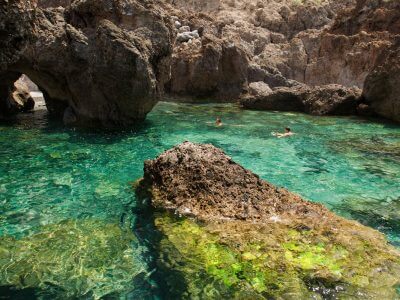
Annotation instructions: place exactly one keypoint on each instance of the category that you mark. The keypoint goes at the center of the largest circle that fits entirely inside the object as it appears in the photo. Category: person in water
(218, 122)
(288, 132)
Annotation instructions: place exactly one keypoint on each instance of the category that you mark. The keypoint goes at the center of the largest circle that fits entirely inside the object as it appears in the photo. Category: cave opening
(34, 91)
(20, 97)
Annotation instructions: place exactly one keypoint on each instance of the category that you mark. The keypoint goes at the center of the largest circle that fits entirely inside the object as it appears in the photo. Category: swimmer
(218, 122)
(288, 132)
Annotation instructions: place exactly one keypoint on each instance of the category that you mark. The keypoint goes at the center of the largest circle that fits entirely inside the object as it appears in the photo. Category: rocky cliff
(279, 43)
(108, 62)
(382, 86)
(97, 62)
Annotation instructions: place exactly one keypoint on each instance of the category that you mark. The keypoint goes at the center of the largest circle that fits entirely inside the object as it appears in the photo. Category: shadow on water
(11, 293)
(168, 282)
(40, 120)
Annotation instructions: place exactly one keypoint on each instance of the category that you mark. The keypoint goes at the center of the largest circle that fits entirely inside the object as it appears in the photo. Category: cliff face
(279, 43)
(263, 34)
(108, 62)
(95, 63)
(382, 86)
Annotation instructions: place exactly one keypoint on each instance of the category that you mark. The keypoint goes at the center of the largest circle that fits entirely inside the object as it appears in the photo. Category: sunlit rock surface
(227, 233)
(72, 259)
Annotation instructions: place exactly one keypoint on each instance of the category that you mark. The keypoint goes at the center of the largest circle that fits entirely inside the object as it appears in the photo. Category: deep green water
(57, 184)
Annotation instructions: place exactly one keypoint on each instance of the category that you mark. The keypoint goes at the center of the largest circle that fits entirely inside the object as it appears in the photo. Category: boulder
(226, 233)
(21, 98)
(281, 99)
(259, 88)
(108, 64)
(330, 99)
(186, 36)
(184, 29)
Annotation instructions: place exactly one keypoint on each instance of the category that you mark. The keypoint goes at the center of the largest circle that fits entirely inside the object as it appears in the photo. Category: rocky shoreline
(109, 65)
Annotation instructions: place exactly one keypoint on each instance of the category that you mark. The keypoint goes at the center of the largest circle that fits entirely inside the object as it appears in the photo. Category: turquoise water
(50, 175)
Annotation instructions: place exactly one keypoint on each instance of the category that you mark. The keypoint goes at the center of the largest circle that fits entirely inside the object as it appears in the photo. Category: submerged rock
(329, 99)
(379, 213)
(241, 237)
(72, 259)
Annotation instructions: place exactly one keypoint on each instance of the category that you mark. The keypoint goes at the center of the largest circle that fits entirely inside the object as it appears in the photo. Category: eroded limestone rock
(382, 85)
(209, 68)
(107, 64)
(239, 237)
(321, 100)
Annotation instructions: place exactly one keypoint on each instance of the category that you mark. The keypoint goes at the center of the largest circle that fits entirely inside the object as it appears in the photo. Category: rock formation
(330, 99)
(95, 63)
(18, 100)
(227, 233)
(382, 86)
(109, 61)
(312, 42)
(211, 68)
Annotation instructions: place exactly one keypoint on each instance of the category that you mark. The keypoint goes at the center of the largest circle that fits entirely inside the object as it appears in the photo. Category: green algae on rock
(82, 258)
(240, 237)
(237, 258)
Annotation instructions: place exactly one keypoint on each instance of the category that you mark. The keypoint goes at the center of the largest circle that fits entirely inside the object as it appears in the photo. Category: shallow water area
(50, 175)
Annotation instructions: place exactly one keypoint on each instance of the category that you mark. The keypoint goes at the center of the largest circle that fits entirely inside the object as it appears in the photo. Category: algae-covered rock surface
(86, 259)
(228, 234)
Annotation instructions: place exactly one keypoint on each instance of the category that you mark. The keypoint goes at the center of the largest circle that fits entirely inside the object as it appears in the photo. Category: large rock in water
(332, 99)
(382, 86)
(100, 62)
(241, 237)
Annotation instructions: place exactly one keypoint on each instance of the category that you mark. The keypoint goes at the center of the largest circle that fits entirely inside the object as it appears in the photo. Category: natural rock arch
(95, 63)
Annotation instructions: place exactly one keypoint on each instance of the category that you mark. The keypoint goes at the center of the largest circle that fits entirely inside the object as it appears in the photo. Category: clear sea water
(51, 174)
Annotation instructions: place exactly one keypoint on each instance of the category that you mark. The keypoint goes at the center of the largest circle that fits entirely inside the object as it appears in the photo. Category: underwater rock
(72, 259)
(378, 213)
(227, 233)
